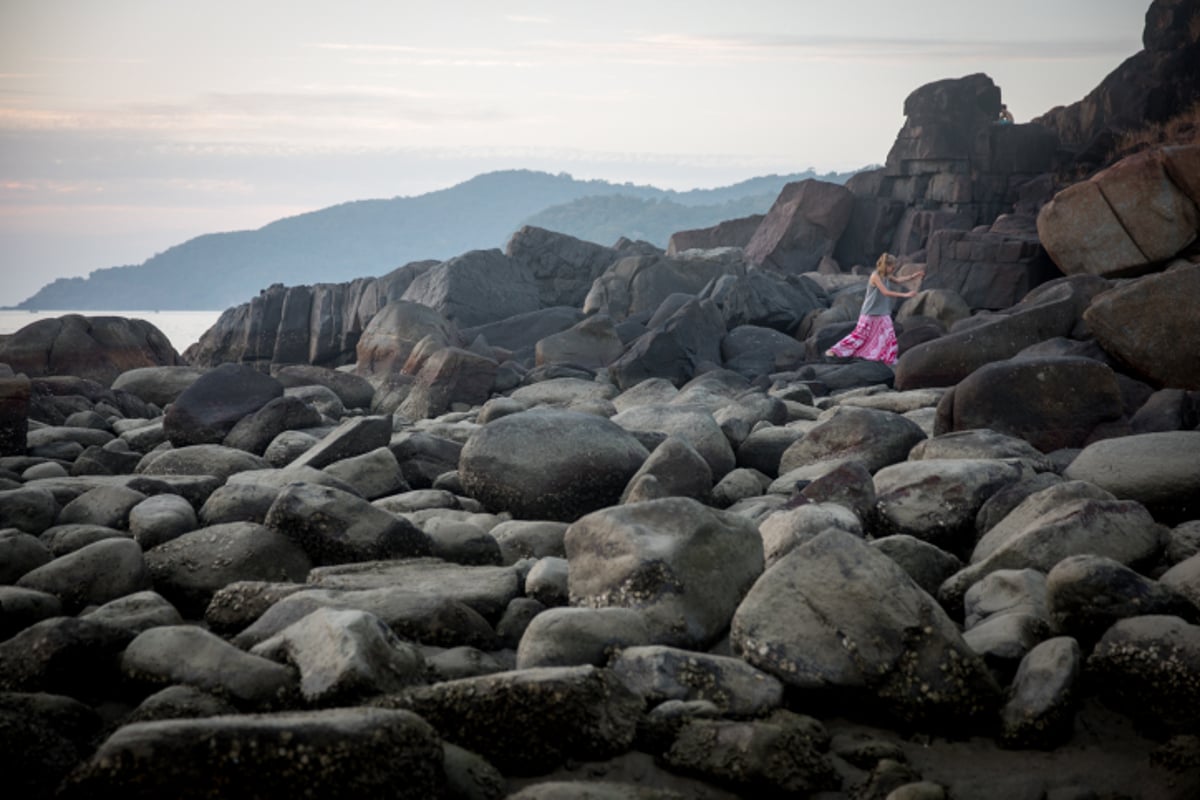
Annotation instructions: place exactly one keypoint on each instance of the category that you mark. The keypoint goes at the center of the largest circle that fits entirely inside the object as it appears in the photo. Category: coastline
(182, 328)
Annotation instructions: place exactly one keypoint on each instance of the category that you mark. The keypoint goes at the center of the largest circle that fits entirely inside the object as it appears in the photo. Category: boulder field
(580, 521)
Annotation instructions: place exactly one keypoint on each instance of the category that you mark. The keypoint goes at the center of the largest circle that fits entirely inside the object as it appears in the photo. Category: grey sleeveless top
(876, 303)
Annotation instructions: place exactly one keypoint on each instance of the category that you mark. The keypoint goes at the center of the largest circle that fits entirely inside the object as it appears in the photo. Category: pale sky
(128, 126)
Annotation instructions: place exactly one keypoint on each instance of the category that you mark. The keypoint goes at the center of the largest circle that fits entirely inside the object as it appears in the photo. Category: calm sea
(183, 328)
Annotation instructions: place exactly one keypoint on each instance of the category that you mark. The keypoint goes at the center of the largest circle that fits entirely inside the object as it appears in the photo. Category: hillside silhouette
(371, 237)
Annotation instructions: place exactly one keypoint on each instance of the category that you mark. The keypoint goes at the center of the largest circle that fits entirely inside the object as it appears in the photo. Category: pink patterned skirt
(873, 338)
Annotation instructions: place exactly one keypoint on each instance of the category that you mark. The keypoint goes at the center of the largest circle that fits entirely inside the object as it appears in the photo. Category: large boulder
(1051, 310)
(549, 464)
(1143, 325)
(92, 575)
(684, 565)
(189, 570)
(1159, 470)
(1123, 220)
(14, 415)
(528, 722)
(1052, 403)
(802, 227)
(838, 614)
(158, 385)
(730, 233)
(693, 423)
(335, 527)
(391, 335)
(93, 348)
(765, 298)
(562, 266)
(689, 338)
(448, 378)
(875, 438)
(335, 753)
(353, 390)
(592, 343)
(207, 410)
(1149, 667)
(475, 288)
(639, 284)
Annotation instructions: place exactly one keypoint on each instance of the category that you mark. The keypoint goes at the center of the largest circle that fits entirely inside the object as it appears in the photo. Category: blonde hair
(885, 260)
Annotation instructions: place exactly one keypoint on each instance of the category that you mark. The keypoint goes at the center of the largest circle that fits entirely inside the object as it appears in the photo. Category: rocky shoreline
(580, 521)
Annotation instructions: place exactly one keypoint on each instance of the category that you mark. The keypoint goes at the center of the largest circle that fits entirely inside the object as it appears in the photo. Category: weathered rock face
(562, 266)
(951, 167)
(93, 348)
(684, 566)
(391, 335)
(639, 284)
(831, 613)
(802, 227)
(1127, 218)
(1148, 326)
(730, 233)
(476, 288)
(318, 324)
(990, 269)
(674, 350)
(1151, 86)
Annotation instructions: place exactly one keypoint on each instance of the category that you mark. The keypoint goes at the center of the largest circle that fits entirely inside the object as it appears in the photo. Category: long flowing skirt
(873, 338)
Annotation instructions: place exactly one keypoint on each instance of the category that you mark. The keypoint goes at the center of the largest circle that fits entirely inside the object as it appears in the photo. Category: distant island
(371, 237)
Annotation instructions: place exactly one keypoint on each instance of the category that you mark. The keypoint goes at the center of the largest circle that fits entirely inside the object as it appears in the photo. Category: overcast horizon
(130, 126)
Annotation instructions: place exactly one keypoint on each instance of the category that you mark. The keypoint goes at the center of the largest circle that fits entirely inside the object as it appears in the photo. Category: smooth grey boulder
(255, 432)
(201, 459)
(1002, 640)
(564, 637)
(980, 443)
(462, 543)
(188, 570)
(849, 485)
(354, 391)
(373, 474)
(136, 612)
(20, 608)
(1086, 594)
(63, 539)
(661, 673)
(238, 502)
(157, 385)
(763, 448)
(927, 564)
(334, 753)
(937, 499)
(527, 722)
(1119, 529)
(1040, 710)
(693, 423)
(487, 589)
(784, 530)
(783, 755)
(1006, 591)
(213, 403)
(335, 527)
(449, 379)
(549, 464)
(416, 617)
(875, 438)
(103, 505)
(549, 581)
(687, 341)
(520, 539)
(192, 656)
(1005, 501)
(180, 702)
(836, 612)
(353, 437)
(1035, 505)
(738, 484)
(287, 446)
(240, 604)
(344, 656)
(1158, 470)
(1184, 578)
(684, 565)
(92, 575)
(20, 552)
(1149, 668)
(476, 288)
(161, 518)
(673, 469)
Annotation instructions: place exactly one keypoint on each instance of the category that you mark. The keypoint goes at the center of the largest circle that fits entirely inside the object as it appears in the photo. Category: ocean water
(182, 328)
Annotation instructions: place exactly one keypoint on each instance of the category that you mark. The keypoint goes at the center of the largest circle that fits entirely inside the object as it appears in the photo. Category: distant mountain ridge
(370, 237)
